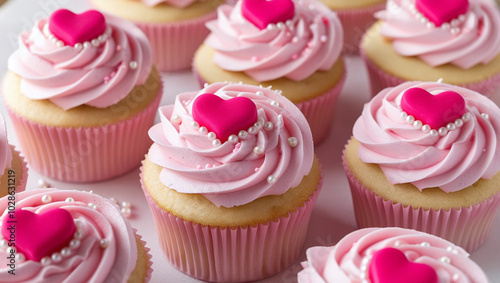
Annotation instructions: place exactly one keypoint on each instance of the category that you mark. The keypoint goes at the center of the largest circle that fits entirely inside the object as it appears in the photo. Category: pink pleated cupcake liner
(319, 111)
(355, 22)
(467, 227)
(237, 254)
(174, 44)
(147, 278)
(86, 154)
(380, 79)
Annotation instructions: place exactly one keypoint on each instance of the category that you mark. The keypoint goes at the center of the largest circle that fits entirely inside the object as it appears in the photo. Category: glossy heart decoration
(73, 28)
(435, 110)
(261, 13)
(390, 265)
(442, 11)
(224, 117)
(39, 235)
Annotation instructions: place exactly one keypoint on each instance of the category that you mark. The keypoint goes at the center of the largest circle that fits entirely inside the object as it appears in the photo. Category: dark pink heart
(224, 117)
(73, 28)
(435, 110)
(39, 235)
(261, 13)
(390, 265)
(442, 11)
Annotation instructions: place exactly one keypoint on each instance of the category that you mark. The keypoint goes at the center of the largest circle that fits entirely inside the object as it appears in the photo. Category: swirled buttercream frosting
(98, 72)
(175, 3)
(292, 47)
(5, 152)
(267, 158)
(452, 155)
(390, 255)
(102, 248)
(463, 33)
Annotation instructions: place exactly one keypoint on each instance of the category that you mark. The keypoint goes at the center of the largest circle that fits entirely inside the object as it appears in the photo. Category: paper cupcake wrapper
(24, 177)
(174, 44)
(380, 79)
(467, 227)
(319, 111)
(237, 254)
(355, 22)
(147, 278)
(86, 154)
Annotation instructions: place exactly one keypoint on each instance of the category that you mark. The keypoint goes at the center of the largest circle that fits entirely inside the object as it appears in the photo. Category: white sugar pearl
(42, 184)
(10, 250)
(271, 179)
(243, 134)
(485, 116)
(195, 125)
(425, 244)
(233, 139)
(451, 127)
(211, 136)
(260, 93)
(280, 25)
(443, 131)
(104, 243)
(46, 198)
(69, 200)
(417, 124)
(426, 128)
(434, 133)
(459, 123)
(45, 261)
(59, 43)
(66, 252)
(403, 115)
(253, 130)
(78, 46)
(126, 211)
(74, 244)
(268, 126)
(216, 143)
(410, 119)
(292, 141)
(3, 244)
(126, 204)
(20, 257)
(203, 130)
(92, 205)
(275, 103)
(445, 26)
(271, 26)
(56, 257)
(175, 119)
(455, 31)
(95, 42)
(86, 44)
(257, 150)
(78, 234)
(466, 117)
(445, 259)
(133, 65)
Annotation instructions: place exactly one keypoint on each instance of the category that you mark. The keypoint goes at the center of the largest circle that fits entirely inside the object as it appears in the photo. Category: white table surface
(333, 215)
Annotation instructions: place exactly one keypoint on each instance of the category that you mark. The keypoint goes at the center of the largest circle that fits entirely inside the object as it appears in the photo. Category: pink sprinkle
(325, 21)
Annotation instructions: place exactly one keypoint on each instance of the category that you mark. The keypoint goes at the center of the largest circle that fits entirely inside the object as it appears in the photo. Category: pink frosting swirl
(311, 41)
(89, 262)
(471, 39)
(346, 261)
(175, 3)
(5, 152)
(233, 173)
(98, 74)
(408, 155)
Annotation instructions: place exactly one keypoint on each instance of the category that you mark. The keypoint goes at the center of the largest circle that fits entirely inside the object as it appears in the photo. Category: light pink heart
(73, 28)
(390, 265)
(442, 11)
(434, 110)
(224, 117)
(261, 13)
(39, 235)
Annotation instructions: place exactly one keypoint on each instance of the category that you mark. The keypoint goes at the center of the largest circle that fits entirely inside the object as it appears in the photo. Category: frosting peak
(470, 37)
(295, 49)
(268, 158)
(98, 73)
(407, 150)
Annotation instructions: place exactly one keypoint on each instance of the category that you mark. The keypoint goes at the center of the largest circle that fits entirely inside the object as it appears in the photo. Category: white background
(332, 217)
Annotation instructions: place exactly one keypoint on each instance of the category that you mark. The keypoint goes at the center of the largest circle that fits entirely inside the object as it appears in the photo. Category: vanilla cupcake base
(83, 144)
(206, 242)
(316, 96)
(386, 68)
(464, 217)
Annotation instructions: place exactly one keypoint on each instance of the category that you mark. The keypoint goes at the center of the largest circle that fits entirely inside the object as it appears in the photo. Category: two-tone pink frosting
(311, 41)
(99, 73)
(456, 157)
(266, 159)
(175, 3)
(5, 151)
(468, 39)
(104, 251)
(350, 260)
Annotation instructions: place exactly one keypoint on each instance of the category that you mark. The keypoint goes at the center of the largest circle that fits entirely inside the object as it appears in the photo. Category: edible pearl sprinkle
(43, 184)
(20, 257)
(275, 103)
(253, 130)
(485, 116)
(74, 244)
(292, 141)
(92, 205)
(175, 119)
(442, 131)
(425, 244)
(126, 204)
(69, 200)
(45, 261)
(203, 130)
(233, 139)
(126, 211)
(46, 199)
(104, 243)
(257, 150)
(216, 142)
(56, 257)
(66, 252)
(271, 179)
(78, 234)
(211, 136)
(445, 259)
(195, 125)
(268, 126)
(434, 133)
(242, 134)
(133, 65)
(417, 124)
(259, 93)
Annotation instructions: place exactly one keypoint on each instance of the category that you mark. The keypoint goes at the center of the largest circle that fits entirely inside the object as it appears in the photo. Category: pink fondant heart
(39, 235)
(442, 11)
(390, 265)
(224, 117)
(264, 12)
(435, 110)
(73, 28)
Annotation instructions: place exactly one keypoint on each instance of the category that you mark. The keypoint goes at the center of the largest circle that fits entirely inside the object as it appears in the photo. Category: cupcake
(295, 49)
(390, 255)
(69, 236)
(426, 156)
(356, 17)
(231, 179)
(422, 41)
(81, 93)
(174, 28)
(12, 166)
